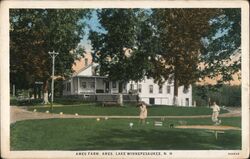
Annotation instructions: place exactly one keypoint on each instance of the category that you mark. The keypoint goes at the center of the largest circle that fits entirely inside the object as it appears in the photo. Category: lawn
(128, 109)
(115, 134)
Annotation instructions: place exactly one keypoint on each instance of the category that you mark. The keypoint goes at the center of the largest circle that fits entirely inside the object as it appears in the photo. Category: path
(20, 113)
(210, 127)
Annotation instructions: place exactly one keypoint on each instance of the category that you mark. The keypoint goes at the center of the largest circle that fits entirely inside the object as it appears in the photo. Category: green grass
(92, 109)
(115, 134)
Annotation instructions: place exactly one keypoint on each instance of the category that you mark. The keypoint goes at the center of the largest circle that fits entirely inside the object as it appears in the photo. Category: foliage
(121, 36)
(223, 44)
(179, 33)
(225, 95)
(167, 43)
(35, 32)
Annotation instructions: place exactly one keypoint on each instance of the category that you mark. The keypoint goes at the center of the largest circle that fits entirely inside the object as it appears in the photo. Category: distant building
(87, 82)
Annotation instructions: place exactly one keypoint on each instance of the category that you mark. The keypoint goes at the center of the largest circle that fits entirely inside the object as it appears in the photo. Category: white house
(152, 93)
(87, 82)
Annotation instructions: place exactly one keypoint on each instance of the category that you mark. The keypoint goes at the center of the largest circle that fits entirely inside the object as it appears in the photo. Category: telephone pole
(53, 56)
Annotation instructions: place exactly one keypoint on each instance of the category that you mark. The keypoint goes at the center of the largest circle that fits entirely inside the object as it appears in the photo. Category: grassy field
(115, 134)
(93, 109)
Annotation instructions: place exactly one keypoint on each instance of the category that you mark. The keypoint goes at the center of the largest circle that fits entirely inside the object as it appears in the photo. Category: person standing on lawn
(143, 113)
(216, 111)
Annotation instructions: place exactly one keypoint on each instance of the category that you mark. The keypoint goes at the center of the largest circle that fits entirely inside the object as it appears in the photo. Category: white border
(4, 69)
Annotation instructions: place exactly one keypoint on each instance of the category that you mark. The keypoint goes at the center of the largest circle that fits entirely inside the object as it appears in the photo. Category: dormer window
(185, 90)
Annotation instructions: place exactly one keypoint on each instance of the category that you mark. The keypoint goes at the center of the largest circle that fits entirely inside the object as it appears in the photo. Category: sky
(93, 24)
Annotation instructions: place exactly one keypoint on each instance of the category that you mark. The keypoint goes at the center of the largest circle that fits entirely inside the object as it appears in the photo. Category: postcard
(124, 79)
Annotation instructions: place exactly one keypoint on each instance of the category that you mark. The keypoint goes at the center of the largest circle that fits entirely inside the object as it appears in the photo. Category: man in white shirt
(216, 111)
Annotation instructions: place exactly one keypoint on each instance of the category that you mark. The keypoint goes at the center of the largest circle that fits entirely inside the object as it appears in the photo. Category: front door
(187, 102)
(151, 101)
(120, 87)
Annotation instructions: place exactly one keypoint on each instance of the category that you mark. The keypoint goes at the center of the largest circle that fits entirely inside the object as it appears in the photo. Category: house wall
(100, 84)
(89, 86)
(86, 72)
(164, 98)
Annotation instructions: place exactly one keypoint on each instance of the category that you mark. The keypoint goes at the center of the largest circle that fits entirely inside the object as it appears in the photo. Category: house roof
(84, 68)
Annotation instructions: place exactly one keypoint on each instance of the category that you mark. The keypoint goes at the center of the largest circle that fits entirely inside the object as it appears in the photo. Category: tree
(222, 44)
(179, 33)
(118, 49)
(118, 38)
(166, 44)
(35, 32)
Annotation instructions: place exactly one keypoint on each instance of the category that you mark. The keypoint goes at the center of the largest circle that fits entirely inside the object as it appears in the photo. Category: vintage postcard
(124, 79)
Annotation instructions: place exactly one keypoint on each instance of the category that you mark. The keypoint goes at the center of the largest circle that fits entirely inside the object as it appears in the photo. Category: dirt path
(20, 113)
(210, 127)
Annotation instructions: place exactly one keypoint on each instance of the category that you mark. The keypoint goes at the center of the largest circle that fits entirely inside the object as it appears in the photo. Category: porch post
(110, 87)
(78, 85)
(95, 85)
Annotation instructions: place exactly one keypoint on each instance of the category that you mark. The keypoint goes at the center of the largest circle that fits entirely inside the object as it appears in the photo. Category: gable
(87, 71)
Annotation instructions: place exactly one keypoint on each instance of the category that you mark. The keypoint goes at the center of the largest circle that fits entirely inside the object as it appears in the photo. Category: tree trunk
(176, 85)
(35, 92)
(45, 92)
(39, 92)
(120, 99)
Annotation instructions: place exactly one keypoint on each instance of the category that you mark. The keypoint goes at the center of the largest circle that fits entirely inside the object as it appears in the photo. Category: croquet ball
(34, 110)
(106, 118)
(76, 114)
(61, 113)
(131, 124)
(47, 111)
(98, 119)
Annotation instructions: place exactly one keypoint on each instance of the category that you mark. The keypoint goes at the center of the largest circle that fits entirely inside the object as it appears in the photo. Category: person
(143, 113)
(216, 111)
(138, 98)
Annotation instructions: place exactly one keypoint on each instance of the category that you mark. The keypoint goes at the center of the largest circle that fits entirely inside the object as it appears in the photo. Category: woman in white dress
(143, 113)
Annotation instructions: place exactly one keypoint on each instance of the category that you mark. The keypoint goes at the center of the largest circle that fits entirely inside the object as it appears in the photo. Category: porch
(84, 85)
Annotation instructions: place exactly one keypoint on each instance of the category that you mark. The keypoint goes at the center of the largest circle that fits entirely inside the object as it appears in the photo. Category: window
(185, 90)
(113, 84)
(86, 62)
(169, 81)
(168, 89)
(93, 70)
(131, 86)
(92, 84)
(124, 86)
(64, 86)
(84, 85)
(139, 88)
(160, 89)
(151, 89)
(68, 87)
(187, 102)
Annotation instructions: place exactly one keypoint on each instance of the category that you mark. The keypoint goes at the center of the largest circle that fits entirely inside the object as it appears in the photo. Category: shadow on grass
(157, 139)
